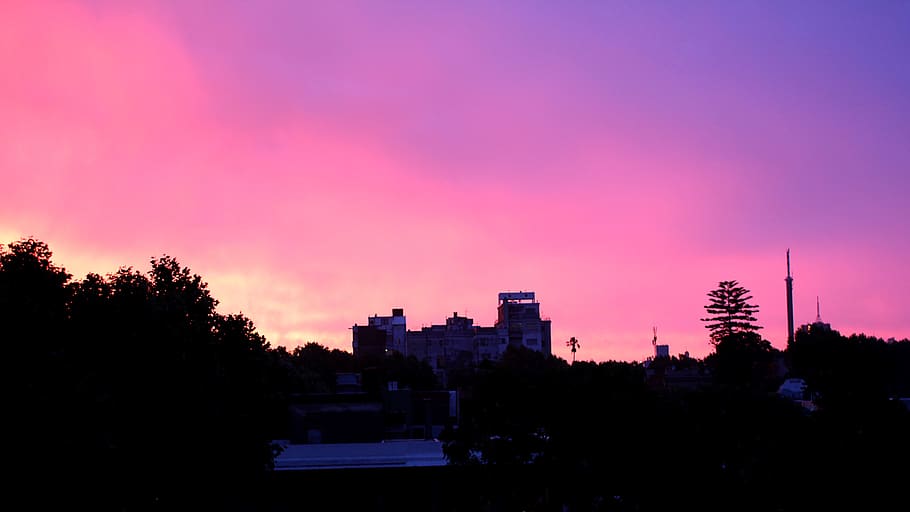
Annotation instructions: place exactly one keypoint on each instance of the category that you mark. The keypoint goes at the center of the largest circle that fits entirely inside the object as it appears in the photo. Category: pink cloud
(380, 173)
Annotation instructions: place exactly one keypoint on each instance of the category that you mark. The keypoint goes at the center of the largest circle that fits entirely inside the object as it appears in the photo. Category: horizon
(319, 164)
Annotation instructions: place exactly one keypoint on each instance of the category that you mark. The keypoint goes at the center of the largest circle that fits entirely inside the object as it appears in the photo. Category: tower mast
(789, 281)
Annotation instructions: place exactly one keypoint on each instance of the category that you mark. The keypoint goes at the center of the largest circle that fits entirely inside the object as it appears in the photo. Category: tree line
(130, 391)
(601, 437)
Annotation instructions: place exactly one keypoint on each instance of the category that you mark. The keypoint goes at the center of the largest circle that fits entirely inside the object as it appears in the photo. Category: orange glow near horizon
(320, 174)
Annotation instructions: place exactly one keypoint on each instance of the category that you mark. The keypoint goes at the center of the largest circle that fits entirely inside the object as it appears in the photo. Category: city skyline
(318, 164)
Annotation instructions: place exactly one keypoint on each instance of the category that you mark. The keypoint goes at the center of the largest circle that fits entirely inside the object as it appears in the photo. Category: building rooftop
(396, 453)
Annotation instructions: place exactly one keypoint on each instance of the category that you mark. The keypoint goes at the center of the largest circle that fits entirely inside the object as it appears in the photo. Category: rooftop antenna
(818, 310)
(654, 341)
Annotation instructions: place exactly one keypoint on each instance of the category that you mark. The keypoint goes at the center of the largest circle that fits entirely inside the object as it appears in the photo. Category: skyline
(320, 164)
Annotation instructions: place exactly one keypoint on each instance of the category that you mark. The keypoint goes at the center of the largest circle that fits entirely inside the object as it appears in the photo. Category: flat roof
(384, 454)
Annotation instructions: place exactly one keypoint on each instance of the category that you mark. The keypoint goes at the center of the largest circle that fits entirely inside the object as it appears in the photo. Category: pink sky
(321, 162)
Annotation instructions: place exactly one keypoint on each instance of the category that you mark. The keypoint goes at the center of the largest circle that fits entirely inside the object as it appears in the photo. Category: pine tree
(730, 312)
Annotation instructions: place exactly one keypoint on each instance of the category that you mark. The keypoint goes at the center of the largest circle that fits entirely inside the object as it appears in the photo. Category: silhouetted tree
(319, 366)
(574, 344)
(131, 388)
(135, 391)
(407, 371)
(849, 372)
(730, 312)
(742, 360)
(34, 363)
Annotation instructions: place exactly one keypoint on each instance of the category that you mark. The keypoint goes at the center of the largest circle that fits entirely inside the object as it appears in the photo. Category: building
(382, 454)
(794, 389)
(660, 351)
(446, 346)
(458, 343)
(489, 343)
(368, 340)
(519, 316)
(817, 325)
(352, 415)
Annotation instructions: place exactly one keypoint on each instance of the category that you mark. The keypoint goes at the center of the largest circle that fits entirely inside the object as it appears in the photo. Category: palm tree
(574, 344)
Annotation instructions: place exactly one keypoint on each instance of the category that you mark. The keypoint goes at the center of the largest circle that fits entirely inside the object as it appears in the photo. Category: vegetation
(131, 392)
(574, 344)
(731, 313)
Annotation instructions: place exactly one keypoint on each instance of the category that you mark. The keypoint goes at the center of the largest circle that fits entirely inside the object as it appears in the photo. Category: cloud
(319, 164)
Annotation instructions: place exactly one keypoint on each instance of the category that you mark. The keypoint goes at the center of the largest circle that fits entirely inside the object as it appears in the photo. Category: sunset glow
(320, 162)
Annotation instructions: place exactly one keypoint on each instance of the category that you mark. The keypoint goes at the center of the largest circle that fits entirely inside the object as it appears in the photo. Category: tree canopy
(133, 389)
(730, 312)
(132, 379)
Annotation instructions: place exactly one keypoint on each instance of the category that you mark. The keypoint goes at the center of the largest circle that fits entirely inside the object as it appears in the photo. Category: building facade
(381, 334)
(519, 316)
(458, 343)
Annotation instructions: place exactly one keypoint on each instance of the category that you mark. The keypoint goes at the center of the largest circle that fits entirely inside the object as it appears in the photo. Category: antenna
(789, 281)
(654, 341)
(818, 310)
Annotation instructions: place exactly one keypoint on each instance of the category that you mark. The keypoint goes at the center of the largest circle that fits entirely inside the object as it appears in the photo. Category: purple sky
(319, 162)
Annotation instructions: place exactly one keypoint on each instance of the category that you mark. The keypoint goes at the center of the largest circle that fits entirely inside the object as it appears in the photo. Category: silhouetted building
(369, 341)
(366, 340)
(519, 315)
(817, 325)
(660, 351)
(351, 415)
(489, 343)
(459, 343)
(377, 455)
(794, 389)
(413, 414)
(335, 418)
(348, 382)
(445, 346)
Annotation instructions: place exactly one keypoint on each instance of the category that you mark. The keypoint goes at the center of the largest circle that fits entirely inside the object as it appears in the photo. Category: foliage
(744, 362)
(130, 391)
(134, 380)
(847, 371)
(574, 344)
(730, 311)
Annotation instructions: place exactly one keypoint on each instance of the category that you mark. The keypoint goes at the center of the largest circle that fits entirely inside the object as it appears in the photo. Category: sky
(321, 162)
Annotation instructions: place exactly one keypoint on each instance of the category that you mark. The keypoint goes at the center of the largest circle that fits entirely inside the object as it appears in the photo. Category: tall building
(519, 316)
